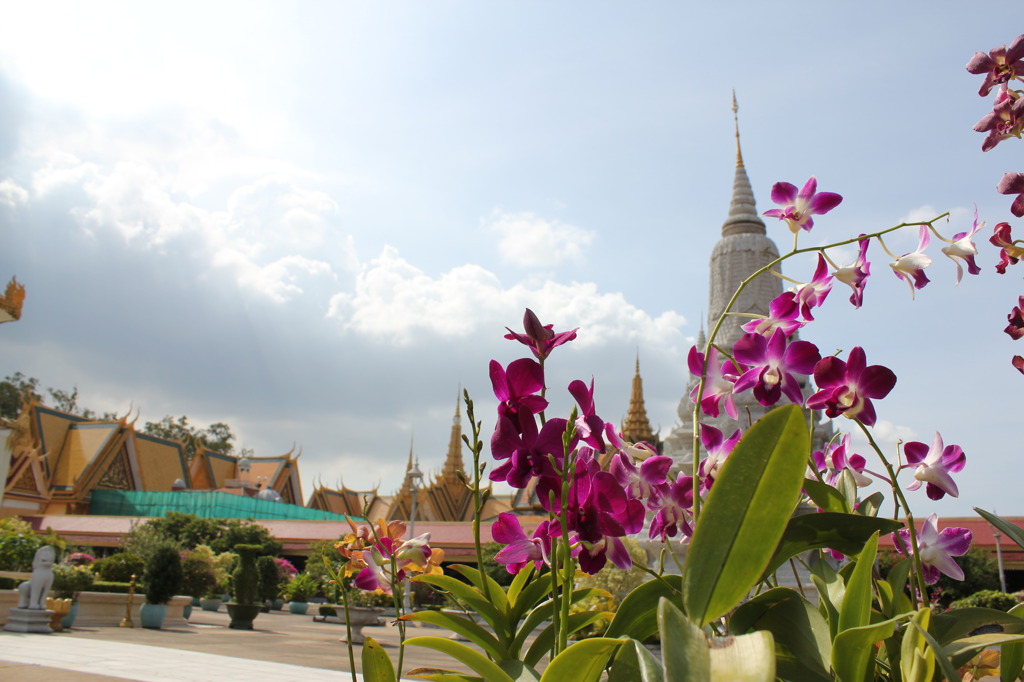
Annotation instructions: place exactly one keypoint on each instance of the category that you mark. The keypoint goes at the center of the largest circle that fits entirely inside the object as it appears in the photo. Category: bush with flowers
(726, 617)
(71, 579)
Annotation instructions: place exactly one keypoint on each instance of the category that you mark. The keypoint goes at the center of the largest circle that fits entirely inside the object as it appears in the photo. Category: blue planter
(152, 615)
(298, 607)
(186, 612)
(69, 620)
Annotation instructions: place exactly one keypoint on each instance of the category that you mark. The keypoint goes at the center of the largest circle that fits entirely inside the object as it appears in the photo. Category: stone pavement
(282, 647)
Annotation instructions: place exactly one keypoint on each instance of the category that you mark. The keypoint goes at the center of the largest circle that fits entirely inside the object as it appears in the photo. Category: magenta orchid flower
(782, 314)
(1004, 121)
(589, 427)
(539, 337)
(962, 248)
(1001, 65)
(1010, 251)
(527, 452)
(718, 449)
(639, 451)
(847, 388)
(643, 482)
(937, 548)
(933, 466)
(1016, 319)
(813, 293)
(855, 274)
(799, 205)
(1013, 183)
(772, 363)
(520, 549)
(674, 513)
(517, 387)
(835, 460)
(718, 384)
(910, 266)
(1018, 363)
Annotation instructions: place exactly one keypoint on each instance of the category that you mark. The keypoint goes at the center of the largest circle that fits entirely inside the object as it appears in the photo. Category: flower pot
(67, 621)
(266, 606)
(186, 611)
(298, 607)
(358, 618)
(60, 608)
(210, 604)
(196, 601)
(278, 604)
(152, 615)
(242, 615)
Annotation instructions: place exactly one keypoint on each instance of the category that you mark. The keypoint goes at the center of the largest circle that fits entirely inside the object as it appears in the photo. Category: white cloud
(394, 300)
(530, 241)
(12, 194)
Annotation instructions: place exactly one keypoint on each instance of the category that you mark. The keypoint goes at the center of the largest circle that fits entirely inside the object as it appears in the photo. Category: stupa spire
(637, 427)
(743, 217)
(453, 462)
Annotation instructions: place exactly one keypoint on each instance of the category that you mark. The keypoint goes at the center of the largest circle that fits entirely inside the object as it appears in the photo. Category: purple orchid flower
(934, 465)
(1010, 252)
(527, 452)
(718, 385)
(782, 314)
(539, 337)
(772, 363)
(937, 548)
(799, 205)
(674, 513)
(855, 274)
(1001, 65)
(835, 460)
(594, 555)
(589, 427)
(1016, 319)
(962, 248)
(639, 451)
(516, 389)
(1013, 183)
(718, 449)
(910, 266)
(520, 549)
(644, 482)
(813, 293)
(1004, 121)
(1018, 363)
(847, 388)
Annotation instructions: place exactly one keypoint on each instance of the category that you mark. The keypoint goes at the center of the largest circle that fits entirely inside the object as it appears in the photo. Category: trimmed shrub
(163, 575)
(198, 576)
(120, 567)
(246, 579)
(266, 569)
(989, 599)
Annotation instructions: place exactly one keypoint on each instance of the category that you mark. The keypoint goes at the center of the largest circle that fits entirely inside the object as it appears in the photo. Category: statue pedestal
(29, 620)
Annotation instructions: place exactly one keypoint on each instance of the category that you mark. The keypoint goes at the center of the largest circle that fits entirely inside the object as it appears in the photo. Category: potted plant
(285, 572)
(298, 591)
(68, 581)
(266, 569)
(162, 580)
(244, 609)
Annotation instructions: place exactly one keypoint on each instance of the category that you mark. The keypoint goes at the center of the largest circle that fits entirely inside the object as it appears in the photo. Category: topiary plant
(163, 575)
(989, 599)
(120, 567)
(266, 569)
(198, 574)
(246, 579)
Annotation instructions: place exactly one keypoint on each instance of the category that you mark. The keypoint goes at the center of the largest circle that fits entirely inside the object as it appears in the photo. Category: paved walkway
(282, 647)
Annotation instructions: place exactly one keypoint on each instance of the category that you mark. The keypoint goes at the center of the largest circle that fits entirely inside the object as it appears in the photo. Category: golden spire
(736, 122)
(453, 462)
(11, 301)
(637, 427)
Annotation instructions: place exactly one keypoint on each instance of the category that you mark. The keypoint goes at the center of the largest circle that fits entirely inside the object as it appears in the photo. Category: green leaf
(825, 496)
(473, 659)
(545, 639)
(856, 609)
(847, 487)
(463, 626)
(943, 663)
(870, 505)
(803, 646)
(853, 650)
(687, 658)
(542, 613)
(746, 514)
(637, 615)
(531, 595)
(747, 658)
(634, 663)
(960, 623)
(497, 592)
(917, 658)
(472, 598)
(440, 675)
(846, 533)
(1012, 531)
(377, 666)
(518, 583)
(831, 590)
(582, 662)
(1011, 661)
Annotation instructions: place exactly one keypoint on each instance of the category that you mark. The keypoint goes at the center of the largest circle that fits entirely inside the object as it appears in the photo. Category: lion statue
(32, 593)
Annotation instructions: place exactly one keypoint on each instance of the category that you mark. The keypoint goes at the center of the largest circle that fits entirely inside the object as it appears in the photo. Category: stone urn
(242, 615)
(358, 618)
(211, 604)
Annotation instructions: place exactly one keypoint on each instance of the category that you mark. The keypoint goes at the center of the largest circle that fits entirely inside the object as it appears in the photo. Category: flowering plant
(69, 580)
(79, 559)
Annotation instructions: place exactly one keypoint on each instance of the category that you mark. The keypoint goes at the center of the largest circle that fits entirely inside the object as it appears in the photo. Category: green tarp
(204, 504)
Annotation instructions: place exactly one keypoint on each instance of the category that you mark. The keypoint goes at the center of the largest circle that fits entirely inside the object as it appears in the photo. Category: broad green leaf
(518, 583)
(1012, 531)
(497, 592)
(746, 513)
(917, 658)
(831, 590)
(546, 638)
(472, 658)
(825, 496)
(960, 623)
(441, 675)
(542, 613)
(803, 647)
(531, 595)
(855, 611)
(582, 662)
(847, 487)
(853, 650)
(1011, 661)
(943, 663)
(846, 533)
(377, 666)
(963, 650)
(637, 615)
(747, 658)
(870, 505)
(687, 659)
(471, 597)
(463, 626)
(634, 663)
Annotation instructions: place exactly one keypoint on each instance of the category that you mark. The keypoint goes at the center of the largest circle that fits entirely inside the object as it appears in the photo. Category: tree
(14, 391)
(217, 437)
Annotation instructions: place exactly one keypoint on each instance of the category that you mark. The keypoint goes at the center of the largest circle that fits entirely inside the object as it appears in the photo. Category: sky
(313, 221)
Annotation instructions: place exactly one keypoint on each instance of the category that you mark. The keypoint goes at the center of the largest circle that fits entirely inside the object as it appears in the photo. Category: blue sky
(313, 220)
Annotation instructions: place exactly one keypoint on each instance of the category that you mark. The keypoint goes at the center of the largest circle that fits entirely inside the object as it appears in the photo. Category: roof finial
(736, 121)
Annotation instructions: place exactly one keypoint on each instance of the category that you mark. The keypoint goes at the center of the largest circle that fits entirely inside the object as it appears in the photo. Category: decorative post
(414, 476)
(126, 622)
(999, 558)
